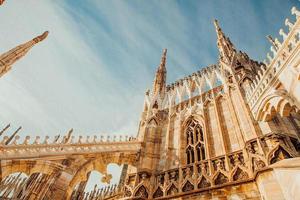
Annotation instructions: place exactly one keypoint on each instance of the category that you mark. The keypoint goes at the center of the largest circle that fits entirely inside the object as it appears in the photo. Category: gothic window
(190, 155)
(195, 148)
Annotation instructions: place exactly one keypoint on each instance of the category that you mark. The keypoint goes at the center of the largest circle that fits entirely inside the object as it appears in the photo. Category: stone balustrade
(55, 148)
(232, 168)
(97, 193)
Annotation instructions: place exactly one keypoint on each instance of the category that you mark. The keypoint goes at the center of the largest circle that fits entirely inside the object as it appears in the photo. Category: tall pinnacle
(159, 84)
(226, 48)
(9, 58)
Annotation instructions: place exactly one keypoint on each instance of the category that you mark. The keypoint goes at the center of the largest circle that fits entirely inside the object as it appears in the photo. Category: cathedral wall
(176, 142)
(228, 126)
(236, 192)
(241, 114)
(213, 132)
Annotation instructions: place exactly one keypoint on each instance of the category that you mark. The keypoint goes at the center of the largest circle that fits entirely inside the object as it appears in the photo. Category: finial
(295, 11)
(216, 23)
(26, 141)
(46, 140)
(288, 23)
(68, 136)
(12, 136)
(163, 59)
(272, 41)
(159, 83)
(37, 140)
(226, 48)
(283, 34)
(5, 128)
(218, 29)
(41, 37)
(95, 139)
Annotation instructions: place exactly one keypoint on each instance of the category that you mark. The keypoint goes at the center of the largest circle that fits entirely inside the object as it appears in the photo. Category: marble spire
(9, 58)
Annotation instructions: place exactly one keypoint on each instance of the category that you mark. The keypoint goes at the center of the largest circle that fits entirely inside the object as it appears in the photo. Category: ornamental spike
(9, 58)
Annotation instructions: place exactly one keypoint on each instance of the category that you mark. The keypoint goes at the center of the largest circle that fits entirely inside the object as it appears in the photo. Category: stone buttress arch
(29, 167)
(278, 102)
(99, 164)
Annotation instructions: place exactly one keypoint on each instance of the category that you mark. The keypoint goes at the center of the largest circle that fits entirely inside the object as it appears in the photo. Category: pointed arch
(28, 167)
(158, 193)
(193, 138)
(141, 192)
(278, 102)
(220, 179)
(188, 186)
(203, 183)
(153, 121)
(239, 175)
(279, 153)
(172, 190)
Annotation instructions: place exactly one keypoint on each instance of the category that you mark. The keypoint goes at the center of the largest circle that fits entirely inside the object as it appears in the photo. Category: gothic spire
(159, 84)
(9, 58)
(226, 48)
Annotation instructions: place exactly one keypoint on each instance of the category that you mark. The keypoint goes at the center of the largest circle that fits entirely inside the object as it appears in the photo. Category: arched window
(195, 148)
(190, 155)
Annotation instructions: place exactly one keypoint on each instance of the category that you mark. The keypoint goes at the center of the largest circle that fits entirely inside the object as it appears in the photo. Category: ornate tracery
(195, 147)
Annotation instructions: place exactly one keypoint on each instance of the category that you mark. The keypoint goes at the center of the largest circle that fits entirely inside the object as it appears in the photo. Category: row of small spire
(275, 48)
(226, 50)
(67, 139)
(97, 193)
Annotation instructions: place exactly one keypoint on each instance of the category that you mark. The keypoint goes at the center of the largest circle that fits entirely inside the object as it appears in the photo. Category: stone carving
(280, 154)
(258, 164)
(158, 193)
(220, 164)
(127, 192)
(142, 192)
(221, 179)
(240, 175)
(172, 190)
(188, 187)
(204, 183)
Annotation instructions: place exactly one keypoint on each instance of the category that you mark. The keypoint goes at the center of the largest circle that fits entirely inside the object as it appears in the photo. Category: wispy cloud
(100, 56)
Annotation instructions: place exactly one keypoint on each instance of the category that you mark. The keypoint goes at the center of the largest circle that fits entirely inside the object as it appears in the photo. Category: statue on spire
(9, 58)
(159, 84)
(226, 48)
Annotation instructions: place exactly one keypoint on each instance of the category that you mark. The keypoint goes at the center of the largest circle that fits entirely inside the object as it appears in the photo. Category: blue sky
(100, 57)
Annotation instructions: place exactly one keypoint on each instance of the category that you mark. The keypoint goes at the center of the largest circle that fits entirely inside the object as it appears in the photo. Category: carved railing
(275, 64)
(11, 148)
(97, 193)
(236, 167)
(47, 150)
